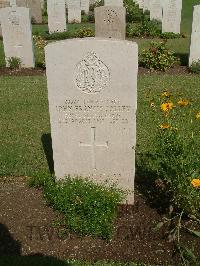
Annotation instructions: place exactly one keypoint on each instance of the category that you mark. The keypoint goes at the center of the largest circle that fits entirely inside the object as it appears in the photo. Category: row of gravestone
(109, 23)
(166, 11)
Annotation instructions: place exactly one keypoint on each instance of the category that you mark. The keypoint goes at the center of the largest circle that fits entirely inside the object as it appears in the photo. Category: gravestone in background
(140, 3)
(85, 6)
(56, 15)
(74, 11)
(17, 35)
(3, 4)
(113, 3)
(110, 22)
(146, 5)
(35, 7)
(156, 10)
(171, 16)
(195, 36)
(92, 90)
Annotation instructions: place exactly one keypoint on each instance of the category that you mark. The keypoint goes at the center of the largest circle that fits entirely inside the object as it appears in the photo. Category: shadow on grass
(10, 253)
(183, 58)
(150, 185)
(47, 146)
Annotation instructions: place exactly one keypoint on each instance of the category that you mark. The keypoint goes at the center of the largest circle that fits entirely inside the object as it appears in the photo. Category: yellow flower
(167, 106)
(166, 94)
(183, 102)
(164, 126)
(198, 115)
(196, 182)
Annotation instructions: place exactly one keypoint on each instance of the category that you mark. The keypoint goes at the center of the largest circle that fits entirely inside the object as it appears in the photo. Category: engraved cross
(93, 146)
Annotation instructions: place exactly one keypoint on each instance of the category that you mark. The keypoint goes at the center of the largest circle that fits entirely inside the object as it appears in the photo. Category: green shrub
(157, 57)
(88, 208)
(178, 153)
(170, 35)
(14, 62)
(56, 36)
(133, 13)
(147, 28)
(195, 67)
(85, 32)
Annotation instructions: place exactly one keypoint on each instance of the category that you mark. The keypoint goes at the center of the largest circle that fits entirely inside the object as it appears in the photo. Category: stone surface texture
(110, 22)
(17, 35)
(74, 11)
(156, 10)
(92, 92)
(113, 2)
(35, 7)
(56, 15)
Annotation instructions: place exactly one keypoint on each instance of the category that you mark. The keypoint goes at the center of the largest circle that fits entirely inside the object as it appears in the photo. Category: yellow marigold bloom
(166, 94)
(183, 102)
(167, 106)
(198, 115)
(196, 182)
(164, 126)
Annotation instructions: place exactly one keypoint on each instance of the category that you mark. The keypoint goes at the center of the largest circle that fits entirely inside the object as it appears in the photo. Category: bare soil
(177, 70)
(26, 229)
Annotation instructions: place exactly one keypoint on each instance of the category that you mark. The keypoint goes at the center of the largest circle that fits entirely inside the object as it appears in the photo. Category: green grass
(25, 124)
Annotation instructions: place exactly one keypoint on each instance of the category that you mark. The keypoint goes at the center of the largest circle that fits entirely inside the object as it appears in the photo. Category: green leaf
(196, 233)
(158, 226)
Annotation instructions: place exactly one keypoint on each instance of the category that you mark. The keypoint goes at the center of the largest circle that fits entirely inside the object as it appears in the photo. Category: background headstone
(74, 11)
(171, 16)
(35, 7)
(17, 35)
(110, 22)
(93, 109)
(3, 4)
(156, 10)
(56, 15)
(146, 5)
(85, 6)
(195, 36)
(113, 2)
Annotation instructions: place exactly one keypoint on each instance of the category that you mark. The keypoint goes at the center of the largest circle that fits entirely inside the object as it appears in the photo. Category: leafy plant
(157, 57)
(133, 12)
(88, 208)
(195, 67)
(170, 35)
(14, 62)
(84, 32)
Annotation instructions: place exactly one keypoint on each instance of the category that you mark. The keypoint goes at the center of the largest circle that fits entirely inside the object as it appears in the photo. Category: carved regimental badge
(91, 74)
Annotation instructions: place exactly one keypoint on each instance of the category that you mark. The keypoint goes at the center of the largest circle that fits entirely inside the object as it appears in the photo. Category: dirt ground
(26, 229)
(177, 70)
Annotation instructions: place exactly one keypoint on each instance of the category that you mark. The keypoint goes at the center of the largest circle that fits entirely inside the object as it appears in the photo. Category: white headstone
(146, 5)
(74, 11)
(17, 35)
(3, 4)
(35, 7)
(85, 6)
(156, 10)
(110, 22)
(171, 16)
(195, 36)
(92, 90)
(113, 2)
(56, 15)
(140, 3)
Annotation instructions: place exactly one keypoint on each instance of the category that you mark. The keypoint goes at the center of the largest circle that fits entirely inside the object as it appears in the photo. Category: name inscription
(76, 111)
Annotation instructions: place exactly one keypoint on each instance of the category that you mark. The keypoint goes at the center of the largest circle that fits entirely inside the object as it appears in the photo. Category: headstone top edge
(80, 40)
